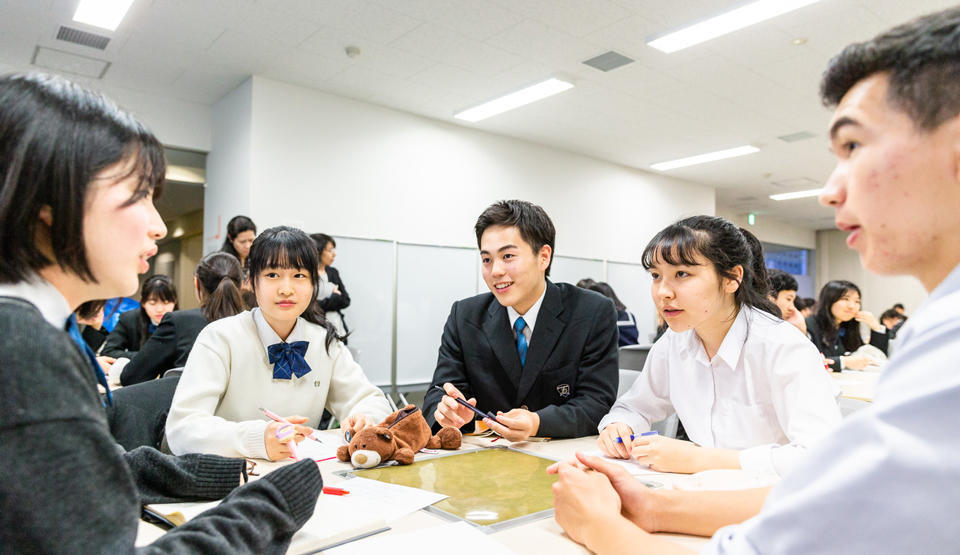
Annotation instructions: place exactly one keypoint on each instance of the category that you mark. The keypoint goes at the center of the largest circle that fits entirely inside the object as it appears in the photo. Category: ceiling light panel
(514, 100)
(729, 22)
(704, 158)
(106, 14)
(797, 194)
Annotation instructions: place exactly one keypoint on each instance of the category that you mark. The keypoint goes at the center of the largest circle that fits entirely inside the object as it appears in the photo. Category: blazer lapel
(546, 332)
(497, 329)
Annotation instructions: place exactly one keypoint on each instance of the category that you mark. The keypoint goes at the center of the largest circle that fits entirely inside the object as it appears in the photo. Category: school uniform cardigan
(835, 350)
(228, 377)
(67, 486)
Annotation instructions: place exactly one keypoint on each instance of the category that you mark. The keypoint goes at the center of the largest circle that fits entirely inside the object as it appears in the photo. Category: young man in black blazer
(540, 356)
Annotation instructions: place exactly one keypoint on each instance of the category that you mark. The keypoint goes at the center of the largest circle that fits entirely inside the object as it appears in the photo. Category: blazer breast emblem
(564, 390)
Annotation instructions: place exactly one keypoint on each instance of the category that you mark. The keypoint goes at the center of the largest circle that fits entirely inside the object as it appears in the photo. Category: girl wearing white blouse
(749, 388)
(281, 356)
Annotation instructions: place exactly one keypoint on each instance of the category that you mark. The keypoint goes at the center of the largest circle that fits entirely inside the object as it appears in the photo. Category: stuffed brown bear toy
(397, 438)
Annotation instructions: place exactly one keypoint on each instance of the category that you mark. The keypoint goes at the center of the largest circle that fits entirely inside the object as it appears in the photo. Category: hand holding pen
(454, 410)
(281, 436)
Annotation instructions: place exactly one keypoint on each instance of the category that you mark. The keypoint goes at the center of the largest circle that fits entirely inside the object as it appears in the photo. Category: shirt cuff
(758, 459)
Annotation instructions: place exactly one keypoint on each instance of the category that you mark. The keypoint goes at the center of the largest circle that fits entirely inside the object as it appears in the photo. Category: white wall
(837, 261)
(229, 165)
(344, 167)
(769, 230)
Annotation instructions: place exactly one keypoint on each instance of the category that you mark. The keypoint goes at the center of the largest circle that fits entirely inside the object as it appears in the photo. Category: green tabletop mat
(486, 487)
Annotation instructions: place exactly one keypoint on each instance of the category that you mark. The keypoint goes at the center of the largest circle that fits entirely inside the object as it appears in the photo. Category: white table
(541, 536)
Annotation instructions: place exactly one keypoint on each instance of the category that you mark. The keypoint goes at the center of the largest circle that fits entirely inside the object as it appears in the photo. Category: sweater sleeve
(260, 517)
(191, 424)
(157, 355)
(350, 391)
(163, 478)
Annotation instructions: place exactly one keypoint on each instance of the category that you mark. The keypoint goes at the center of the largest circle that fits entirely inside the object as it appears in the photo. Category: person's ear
(196, 288)
(731, 285)
(955, 138)
(544, 257)
(46, 215)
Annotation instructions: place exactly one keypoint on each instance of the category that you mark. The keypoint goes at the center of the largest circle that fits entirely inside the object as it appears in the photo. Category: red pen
(334, 491)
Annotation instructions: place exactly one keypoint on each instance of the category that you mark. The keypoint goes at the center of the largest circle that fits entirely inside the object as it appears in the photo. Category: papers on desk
(726, 479)
(369, 507)
(180, 513)
(467, 539)
(632, 465)
(330, 440)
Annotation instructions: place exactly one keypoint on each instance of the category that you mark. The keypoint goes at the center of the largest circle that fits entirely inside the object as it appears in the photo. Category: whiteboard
(367, 268)
(429, 280)
(571, 270)
(631, 283)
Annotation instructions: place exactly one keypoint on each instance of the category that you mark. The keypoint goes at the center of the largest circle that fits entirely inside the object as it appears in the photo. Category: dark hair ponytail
(219, 275)
(290, 248)
(156, 286)
(725, 246)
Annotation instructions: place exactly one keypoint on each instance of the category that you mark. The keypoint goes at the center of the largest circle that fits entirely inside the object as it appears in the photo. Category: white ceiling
(434, 57)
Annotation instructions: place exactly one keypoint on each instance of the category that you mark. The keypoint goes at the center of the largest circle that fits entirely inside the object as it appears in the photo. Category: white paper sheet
(632, 466)
(466, 539)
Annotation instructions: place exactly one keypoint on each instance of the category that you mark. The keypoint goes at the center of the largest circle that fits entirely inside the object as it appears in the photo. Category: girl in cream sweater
(279, 356)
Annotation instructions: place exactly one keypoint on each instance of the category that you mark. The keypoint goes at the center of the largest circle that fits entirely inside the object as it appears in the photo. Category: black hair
(890, 313)
(290, 248)
(321, 240)
(780, 281)
(585, 283)
(55, 138)
(220, 277)
(236, 226)
(922, 60)
(898, 305)
(803, 302)
(156, 286)
(829, 294)
(531, 220)
(725, 246)
(604, 289)
(90, 309)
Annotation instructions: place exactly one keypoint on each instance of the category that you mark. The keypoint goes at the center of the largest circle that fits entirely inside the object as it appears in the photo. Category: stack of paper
(368, 508)
(632, 465)
(467, 539)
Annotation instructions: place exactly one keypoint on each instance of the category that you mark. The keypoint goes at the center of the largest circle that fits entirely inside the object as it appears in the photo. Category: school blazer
(879, 340)
(570, 377)
(124, 340)
(168, 346)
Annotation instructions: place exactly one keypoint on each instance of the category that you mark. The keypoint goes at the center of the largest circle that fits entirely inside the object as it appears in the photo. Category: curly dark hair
(922, 59)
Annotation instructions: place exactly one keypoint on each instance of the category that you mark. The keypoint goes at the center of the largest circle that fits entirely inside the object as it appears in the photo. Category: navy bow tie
(287, 359)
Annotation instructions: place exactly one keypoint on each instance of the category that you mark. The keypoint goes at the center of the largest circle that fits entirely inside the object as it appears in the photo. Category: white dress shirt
(530, 317)
(43, 295)
(765, 392)
(888, 480)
